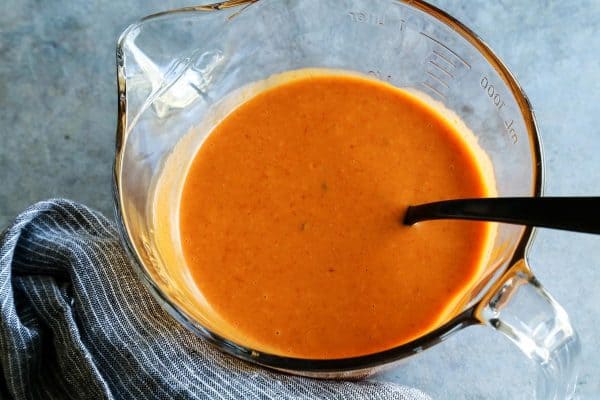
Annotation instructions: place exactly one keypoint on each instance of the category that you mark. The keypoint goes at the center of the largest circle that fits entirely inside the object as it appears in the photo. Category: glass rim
(322, 366)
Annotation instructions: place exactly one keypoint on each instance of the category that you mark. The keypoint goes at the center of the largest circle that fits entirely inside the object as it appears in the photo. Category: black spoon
(580, 214)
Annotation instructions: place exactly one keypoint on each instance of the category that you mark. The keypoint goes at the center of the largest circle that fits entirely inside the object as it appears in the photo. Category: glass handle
(521, 309)
(168, 72)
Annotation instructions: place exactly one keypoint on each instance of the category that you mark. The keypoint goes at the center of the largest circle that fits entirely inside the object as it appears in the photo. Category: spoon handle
(580, 214)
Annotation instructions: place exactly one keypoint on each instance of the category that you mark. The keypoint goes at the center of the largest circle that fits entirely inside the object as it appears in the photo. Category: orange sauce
(290, 217)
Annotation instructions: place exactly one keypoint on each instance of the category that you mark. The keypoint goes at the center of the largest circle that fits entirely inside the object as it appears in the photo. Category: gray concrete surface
(57, 123)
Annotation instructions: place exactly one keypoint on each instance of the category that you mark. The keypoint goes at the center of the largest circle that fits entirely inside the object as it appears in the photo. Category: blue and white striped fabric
(76, 324)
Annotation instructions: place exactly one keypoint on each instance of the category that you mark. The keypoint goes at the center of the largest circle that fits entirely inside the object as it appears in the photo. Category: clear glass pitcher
(175, 67)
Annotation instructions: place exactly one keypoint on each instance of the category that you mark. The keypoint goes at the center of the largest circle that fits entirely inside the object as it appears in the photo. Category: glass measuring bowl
(175, 68)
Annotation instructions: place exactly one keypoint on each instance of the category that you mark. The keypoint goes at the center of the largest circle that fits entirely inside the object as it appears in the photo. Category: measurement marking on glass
(498, 102)
(437, 79)
(427, 85)
(440, 55)
(458, 57)
(492, 93)
(366, 17)
(510, 130)
(380, 75)
(402, 20)
(441, 69)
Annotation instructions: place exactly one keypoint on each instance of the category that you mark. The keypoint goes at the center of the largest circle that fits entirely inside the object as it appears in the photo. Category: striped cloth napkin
(76, 323)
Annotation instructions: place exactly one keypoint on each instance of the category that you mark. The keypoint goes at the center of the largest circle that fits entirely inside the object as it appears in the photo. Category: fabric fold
(76, 323)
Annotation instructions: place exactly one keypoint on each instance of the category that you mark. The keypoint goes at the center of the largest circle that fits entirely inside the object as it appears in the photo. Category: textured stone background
(57, 124)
